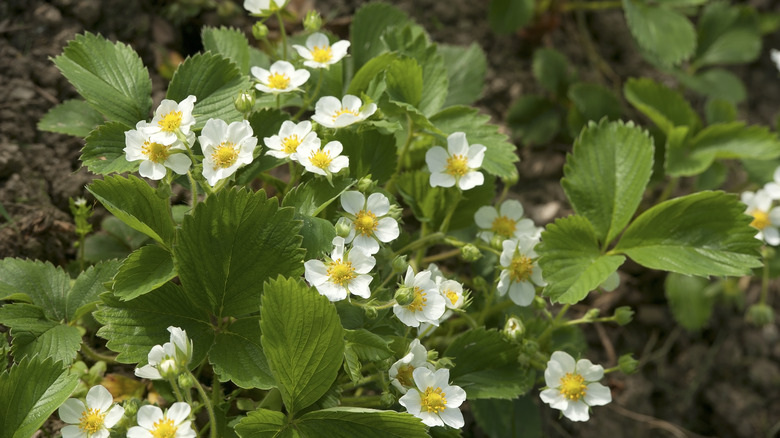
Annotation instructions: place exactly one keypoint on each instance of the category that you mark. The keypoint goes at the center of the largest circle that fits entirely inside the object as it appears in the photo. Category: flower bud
(404, 295)
(313, 21)
(514, 329)
(387, 400)
(371, 312)
(530, 347)
(497, 242)
(131, 407)
(245, 102)
(627, 364)
(623, 315)
(79, 368)
(760, 315)
(168, 368)
(511, 180)
(400, 264)
(366, 184)
(591, 314)
(395, 212)
(259, 31)
(342, 227)
(185, 381)
(538, 303)
(470, 253)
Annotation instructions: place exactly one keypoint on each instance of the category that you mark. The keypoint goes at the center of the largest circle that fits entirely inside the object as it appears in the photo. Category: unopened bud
(470, 253)
(259, 31)
(514, 329)
(131, 407)
(395, 212)
(511, 179)
(760, 315)
(366, 184)
(623, 315)
(79, 368)
(96, 372)
(404, 295)
(313, 21)
(343, 227)
(387, 400)
(371, 312)
(185, 381)
(168, 368)
(539, 303)
(627, 364)
(445, 362)
(591, 314)
(400, 264)
(497, 242)
(767, 252)
(530, 347)
(245, 102)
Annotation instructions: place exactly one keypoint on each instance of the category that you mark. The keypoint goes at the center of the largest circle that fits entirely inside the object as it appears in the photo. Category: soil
(723, 381)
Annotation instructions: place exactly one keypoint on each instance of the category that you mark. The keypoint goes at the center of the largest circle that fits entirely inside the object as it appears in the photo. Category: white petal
(406, 316)
(303, 52)
(452, 417)
(299, 77)
(503, 282)
(471, 180)
(509, 247)
(378, 204)
(138, 432)
(261, 74)
(512, 209)
(315, 272)
(436, 159)
(148, 372)
(554, 398)
(352, 103)
(362, 262)
(178, 412)
(152, 170)
(455, 396)
(338, 163)
(457, 144)
(367, 244)
(332, 291)
(476, 155)
(327, 106)
(179, 163)
(577, 411)
(387, 229)
(597, 394)
(317, 39)
(99, 398)
(71, 410)
(73, 431)
(113, 416)
(148, 415)
(412, 402)
(215, 130)
(565, 360)
(589, 371)
(441, 180)
(771, 236)
(553, 374)
(352, 202)
(485, 216)
(368, 111)
(522, 293)
(333, 148)
(359, 286)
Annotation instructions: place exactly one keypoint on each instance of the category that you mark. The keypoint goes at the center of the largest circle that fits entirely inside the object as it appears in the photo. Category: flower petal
(436, 159)
(457, 144)
(387, 229)
(512, 209)
(71, 410)
(178, 412)
(597, 394)
(99, 398)
(148, 415)
(471, 180)
(485, 216)
(576, 411)
(352, 202)
(589, 371)
(378, 204)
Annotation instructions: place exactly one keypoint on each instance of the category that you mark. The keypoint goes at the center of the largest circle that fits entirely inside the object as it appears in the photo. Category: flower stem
(175, 388)
(283, 32)
(764, 280)
(445, 224)
(94, 355)
(423, 240)
(441, 256)
(209, 406)
(310, 98)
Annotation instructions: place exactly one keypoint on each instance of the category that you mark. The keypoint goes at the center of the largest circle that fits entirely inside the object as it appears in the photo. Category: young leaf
(690, 300)
(507, 16)
(664, 106)
(72, 117)
(302, 339)
(405, 81)
(715, 83)
(35, 334)
(104, 151)
(230, 245)
(136, 203)
(39, 387)
(143, 271)
(466, 69)
(348, 422)
(368, 25)
(110, 76)
(215, 81)
(551, 70)
(664, 33)
(41, 283)
(317, 234)
(238, 356)
(607, 173)
(228, 42)
(375, 66)
(571, 260)
(705, 233)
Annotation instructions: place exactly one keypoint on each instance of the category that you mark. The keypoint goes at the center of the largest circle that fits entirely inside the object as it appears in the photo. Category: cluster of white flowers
(766, 218)
(168, 359)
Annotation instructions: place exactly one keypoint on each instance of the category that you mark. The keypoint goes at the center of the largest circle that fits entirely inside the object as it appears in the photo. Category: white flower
(520, 271)
(345, 272)
(152, 423)
(368, 220)
(401, 371)
(333, 113)
(434, 401)
(319, 53)
(169, 118)
(573, 387)
(290, 137)
(263, 7)
(457, 164)
(773, 188)
(765, 218)
(156, 156)
(507, 222)
(775, 55)
(452, 292)
(325, 161)
(169, 358)
(427, 304)
(93, 419)
(225, 148)
(281, 78)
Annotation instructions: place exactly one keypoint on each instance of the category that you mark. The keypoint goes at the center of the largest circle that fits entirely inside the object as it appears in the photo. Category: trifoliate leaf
(664, 106)
(302, 339)
(606, 175)
(507, 16)
(368, 25)
(664, 33)
(705, 233)
(230, 245)
(690, 299)
(33, 389)
(72, 117)
(534, 119)
(572, 261)
(551, 70)
(228, 42)
(136, 203)
(466, 67)
(104, 151)
(238, 356)
(110, 76)
(34, 334)
(143, 271)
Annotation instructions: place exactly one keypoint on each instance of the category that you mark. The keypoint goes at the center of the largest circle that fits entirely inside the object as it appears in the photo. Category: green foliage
(727, 35)
(690, 299)
(405, 81)
(33, 389)
(534, 119)
(551, 70)
(665, 34)
(303, 341)
(590, 102)
(115, 240)
(664, 106)
(237, 355)
(143, 271)
(466, 68)
(368, 25)
(104, 152)
(34, 333)
(72, 117)
(518, 418)
(110, 76)
(367, 346)
(715, 83)
(507, 16)
(228, 42)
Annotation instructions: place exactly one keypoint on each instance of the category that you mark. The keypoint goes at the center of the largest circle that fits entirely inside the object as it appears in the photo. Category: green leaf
(571, 260)
(716, 83)
(664, 106)
(500, 154)
(519, 418)
(302, 339)
(133, 327)
(261, 423)
(352, 365)
(606, 175)
(375, 66)
(317, 236)
(737, 46)
(72, 117)
(84, 293)
(314, 195)
(143, 271)
(591, 102)
(215, 81)
(507, 16)
(405, 81)
(33, 389)
(705, 233)
(110, 76)
(230, 245)
(367, 346)
(727, 35)
(486, 366)
(466, 68)
(228, 42)
(666, 34)
(720, 111)
(690, 299)
(368, 25)
(238, 356)
(348, 422)
(116, 240)
(370, 153)
(551, 70)
(136, 203)
(104, 151)
(534, 119)
(34, 334)
(41, 283)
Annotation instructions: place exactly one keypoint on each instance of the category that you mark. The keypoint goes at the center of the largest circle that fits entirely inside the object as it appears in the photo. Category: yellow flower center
(419, 300)
(452, 296)
(503, 226)
(320, 159)
(405, 375)
(164, 429)
(224, 155)
(344, 111)
(155, 152)
(171, 121)
(322, 54)
(290, 144)
(91, 421)
(433, 400)
(457, 166)
(521, 268)
(278, 81)
(760, 219)
(341, 273)
(573, 386)
(365, 222)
